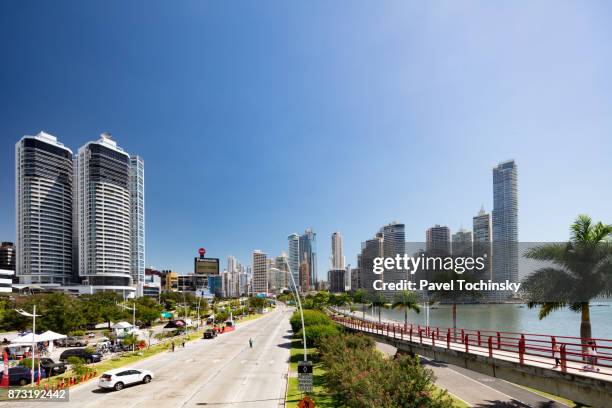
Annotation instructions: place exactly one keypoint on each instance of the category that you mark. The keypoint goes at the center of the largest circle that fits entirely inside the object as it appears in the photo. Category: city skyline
(338, 129)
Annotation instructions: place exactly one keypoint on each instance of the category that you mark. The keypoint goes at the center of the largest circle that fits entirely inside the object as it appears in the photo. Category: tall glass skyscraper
(137, 201)
(104, 216)
(43, 216)
(308, 253)
(505, 223)
(337, 260)
(294, 257)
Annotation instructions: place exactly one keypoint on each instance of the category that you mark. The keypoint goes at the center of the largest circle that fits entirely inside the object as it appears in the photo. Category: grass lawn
(319, 393)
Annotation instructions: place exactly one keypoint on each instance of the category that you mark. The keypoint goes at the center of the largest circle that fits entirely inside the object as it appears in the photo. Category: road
(220, 372)
(479, 390)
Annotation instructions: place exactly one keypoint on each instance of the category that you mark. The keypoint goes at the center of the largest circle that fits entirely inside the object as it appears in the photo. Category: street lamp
(297, 295)
(33, 315)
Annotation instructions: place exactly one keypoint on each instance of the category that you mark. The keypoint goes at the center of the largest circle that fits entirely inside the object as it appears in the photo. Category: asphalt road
(220, 372)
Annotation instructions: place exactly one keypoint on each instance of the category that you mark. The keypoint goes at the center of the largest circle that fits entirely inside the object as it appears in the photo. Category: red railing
(561, 352)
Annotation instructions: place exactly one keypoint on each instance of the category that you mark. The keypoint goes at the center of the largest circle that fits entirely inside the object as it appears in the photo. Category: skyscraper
(437, 241)
(308, 253)
(505, 223)
(370, 249)
(482, 240)
(7, 256)
(337, 251)
(104, 216)
(43, 216)
(394, 243)
(294, 257)
(260, 272)
(462, 243)
(137, 201)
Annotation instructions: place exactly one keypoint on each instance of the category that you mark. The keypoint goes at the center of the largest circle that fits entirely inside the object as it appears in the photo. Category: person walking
(250, 342)
(183, 344)
(557, 355)
(173, 346)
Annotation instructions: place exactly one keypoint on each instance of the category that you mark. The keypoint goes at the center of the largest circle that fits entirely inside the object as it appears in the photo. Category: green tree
(581, 270)
(147, 310)
(408, 301)
(360, 296)
(378, 301)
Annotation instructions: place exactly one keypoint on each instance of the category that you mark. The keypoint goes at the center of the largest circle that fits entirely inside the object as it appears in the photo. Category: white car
(121, 377)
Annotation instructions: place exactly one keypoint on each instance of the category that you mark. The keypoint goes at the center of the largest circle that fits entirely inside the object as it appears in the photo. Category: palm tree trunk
(363, 311)
(454, 322)
(405, 316)
(379, 313)
(585, 326)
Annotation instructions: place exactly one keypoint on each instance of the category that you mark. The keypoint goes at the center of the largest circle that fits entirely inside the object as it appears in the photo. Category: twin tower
(79, 218)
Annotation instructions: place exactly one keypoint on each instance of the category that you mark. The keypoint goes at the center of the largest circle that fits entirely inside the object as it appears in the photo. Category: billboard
(206, 266)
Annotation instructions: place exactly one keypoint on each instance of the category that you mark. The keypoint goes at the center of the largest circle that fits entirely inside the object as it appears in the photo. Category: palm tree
(408, 301)
(581, 270)
(360, 296)
(455, 295)
(379, 301)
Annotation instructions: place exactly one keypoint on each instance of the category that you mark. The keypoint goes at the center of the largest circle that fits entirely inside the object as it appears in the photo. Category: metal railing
(562, 352)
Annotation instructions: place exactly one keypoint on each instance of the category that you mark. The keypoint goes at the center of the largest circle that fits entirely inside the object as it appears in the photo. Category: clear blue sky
(259, 119)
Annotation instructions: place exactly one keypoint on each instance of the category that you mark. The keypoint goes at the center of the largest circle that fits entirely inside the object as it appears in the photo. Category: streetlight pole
(133, 309)
(297, 295)
(33, 316)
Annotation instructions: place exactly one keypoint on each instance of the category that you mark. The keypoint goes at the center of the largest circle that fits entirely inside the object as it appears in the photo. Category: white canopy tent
(28, 339)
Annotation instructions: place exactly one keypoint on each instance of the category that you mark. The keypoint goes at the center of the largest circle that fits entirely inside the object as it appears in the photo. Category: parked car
(20, 375)
(210, 334)
(119, 378)
(51, 367)
(72, 341)
(86, 355)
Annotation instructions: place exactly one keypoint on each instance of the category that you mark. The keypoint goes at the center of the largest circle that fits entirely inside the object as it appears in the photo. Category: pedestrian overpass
(522, 358)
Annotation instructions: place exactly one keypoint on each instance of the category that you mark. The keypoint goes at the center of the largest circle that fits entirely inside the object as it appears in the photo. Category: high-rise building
(308, 253)
(336, 280)
(505, 223)
(481, 229)
(294, 256)
(462, 243)
(137, 202)
(304, 276)
(356, 279)
(43, 216)
(394, 243)
(370, 249)
(437, 241)
(260, 272)
(7, 256)
(104, 216)
(337, 251)
(232, 264)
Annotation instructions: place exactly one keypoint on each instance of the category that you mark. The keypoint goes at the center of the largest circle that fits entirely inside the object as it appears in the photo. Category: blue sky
(259, 119)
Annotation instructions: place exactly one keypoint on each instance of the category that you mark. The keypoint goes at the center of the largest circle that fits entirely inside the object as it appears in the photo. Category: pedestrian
(592, 355)
(556, 355)
(173, 346)
(183, 344)
(250, 342)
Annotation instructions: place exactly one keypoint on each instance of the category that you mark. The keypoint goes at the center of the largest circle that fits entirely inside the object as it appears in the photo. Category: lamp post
(297, 295)
(33, 316)
(133, 309)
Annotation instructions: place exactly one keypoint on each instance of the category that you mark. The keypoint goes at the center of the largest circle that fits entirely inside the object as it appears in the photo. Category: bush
(359, 377)
(77, 333)
(317, 332)
(311, 318)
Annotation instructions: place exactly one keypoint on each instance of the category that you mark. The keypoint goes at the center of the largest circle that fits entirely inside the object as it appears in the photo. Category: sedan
(119, 378)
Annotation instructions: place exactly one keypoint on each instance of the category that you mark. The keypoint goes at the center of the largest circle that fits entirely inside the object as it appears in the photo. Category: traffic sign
(305, 376)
